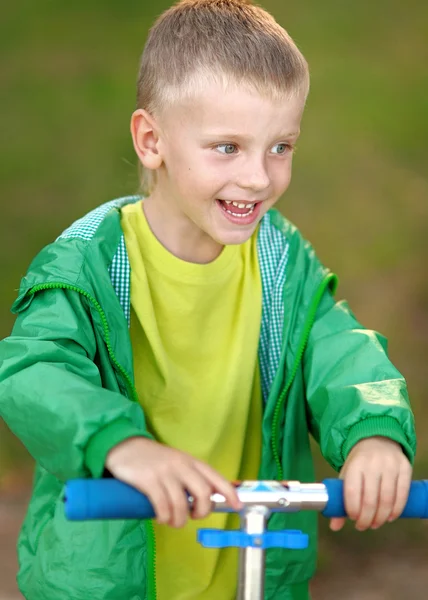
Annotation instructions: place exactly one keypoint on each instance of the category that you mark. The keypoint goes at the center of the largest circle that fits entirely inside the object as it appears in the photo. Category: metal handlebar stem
(252, 559)
(260, 500)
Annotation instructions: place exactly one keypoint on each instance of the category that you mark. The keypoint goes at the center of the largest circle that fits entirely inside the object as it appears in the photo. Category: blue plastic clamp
(288, 538)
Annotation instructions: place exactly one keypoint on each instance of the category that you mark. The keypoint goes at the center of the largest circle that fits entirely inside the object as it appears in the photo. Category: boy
(191, 339)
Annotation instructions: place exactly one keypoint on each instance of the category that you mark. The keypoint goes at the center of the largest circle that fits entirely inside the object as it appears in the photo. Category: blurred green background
(359, 191)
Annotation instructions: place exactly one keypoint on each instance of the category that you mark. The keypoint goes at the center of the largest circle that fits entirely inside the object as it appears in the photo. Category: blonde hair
(199, 41)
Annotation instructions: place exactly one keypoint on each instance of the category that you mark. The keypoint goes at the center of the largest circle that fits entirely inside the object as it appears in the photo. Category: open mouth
(239, 210)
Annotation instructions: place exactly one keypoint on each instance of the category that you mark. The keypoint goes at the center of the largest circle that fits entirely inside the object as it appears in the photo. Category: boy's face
(224, 147)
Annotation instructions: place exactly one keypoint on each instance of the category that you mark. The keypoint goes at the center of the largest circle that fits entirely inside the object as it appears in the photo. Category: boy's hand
(164, 475)
(377, 477)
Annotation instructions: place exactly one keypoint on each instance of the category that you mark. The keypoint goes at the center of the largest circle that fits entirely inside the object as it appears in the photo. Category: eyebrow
(242, 136)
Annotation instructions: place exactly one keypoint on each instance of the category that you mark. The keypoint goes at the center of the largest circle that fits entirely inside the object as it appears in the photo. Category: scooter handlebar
(87, 499)
(105, 499)
(416, 506)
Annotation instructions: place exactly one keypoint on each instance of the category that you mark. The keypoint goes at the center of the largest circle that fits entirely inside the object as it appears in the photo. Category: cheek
(282, 177)
(194, 173)
(194, 183)
(204, 177)
(181, 170)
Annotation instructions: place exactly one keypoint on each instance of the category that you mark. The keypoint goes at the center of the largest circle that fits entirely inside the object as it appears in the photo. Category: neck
(178, 234)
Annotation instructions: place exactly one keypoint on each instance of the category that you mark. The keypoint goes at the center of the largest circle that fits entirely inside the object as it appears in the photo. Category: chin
(231, 238)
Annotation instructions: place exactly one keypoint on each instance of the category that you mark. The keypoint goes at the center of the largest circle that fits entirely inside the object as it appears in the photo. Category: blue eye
(282, 148)
(228, 148)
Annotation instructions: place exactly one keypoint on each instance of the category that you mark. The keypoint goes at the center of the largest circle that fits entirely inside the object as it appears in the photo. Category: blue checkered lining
(120, 275)
(86, 227)
(120, 269)
(273, 253)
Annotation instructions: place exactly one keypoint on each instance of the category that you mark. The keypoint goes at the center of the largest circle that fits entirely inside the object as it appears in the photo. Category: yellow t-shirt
(195, 333)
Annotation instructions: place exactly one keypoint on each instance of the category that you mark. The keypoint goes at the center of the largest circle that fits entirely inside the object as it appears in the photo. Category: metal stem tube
(252, 560)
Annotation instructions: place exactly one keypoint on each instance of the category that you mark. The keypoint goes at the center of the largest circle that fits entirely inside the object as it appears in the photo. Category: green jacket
(67, 391)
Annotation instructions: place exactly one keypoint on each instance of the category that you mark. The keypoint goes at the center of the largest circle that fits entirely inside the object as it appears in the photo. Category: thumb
(337, 524)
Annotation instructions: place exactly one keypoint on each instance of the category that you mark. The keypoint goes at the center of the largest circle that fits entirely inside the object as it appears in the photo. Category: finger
(369, 503)
(352, 492)
(402, 492)
(200, 489)
(387, 496)
(178, 501)
(220, 484)
(336, 524)
(159, 498)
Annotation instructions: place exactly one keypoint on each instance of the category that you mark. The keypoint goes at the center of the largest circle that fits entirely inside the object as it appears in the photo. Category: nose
(253, 175)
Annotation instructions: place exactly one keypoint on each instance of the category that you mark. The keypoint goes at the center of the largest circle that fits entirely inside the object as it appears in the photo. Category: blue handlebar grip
(416, 507)
(105, 499)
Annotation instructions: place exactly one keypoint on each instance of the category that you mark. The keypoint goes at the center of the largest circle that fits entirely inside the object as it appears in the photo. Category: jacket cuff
(104, 440)
(384, 426)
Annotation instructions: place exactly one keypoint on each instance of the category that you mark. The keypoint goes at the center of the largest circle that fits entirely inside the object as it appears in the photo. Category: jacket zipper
(151, 546)
(301, 349)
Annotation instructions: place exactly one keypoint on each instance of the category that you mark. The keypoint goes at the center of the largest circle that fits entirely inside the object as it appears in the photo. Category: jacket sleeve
(51, 393)
(352, 389)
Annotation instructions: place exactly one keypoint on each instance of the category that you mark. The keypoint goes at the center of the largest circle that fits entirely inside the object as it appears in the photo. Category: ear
(145, 136)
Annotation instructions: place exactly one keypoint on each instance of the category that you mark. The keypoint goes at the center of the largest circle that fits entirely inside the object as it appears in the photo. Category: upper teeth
(240, 204)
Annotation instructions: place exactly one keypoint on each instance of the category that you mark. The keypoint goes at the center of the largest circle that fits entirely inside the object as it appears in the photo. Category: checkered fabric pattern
(273, 252)
(86, 227)
(120, 275)
(120, 269)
